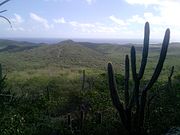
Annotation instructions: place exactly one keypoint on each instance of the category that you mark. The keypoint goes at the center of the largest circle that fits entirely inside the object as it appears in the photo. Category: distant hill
(13, 46)
(16, 55)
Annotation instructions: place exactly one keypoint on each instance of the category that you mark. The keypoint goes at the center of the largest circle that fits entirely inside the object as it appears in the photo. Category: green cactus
(134, 121)
(126, 81)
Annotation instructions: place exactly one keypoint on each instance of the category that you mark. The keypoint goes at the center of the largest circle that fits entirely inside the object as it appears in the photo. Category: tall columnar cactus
(133, 121)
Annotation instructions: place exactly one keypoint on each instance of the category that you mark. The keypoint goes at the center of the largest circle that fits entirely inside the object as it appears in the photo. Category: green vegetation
(63, 88)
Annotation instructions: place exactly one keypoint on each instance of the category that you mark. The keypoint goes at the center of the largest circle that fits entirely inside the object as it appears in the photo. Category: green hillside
(63, 54)
(46, 84)
(20, 56)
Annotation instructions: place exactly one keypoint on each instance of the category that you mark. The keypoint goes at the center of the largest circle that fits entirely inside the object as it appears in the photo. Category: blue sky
(90, 18)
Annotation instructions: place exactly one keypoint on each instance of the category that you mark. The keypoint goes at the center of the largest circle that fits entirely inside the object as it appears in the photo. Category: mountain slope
(70, 54)
(63, 54)
(14, 46)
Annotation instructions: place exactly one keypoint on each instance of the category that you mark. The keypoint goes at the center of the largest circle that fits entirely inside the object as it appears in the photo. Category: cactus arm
(126, 79)
(114, 95)
(133, 63)
(155, 75)
(126, 93)
(145, 51)
(161, 60)
(134, 74)
(113, 89)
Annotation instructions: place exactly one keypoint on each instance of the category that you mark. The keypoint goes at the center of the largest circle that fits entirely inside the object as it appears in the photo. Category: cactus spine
(134, 121)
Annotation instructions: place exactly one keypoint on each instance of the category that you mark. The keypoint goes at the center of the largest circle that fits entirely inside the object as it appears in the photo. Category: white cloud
(136, 19)
(117, 20)
(77, 24)
(18, 29)
(151, 2)
(60, 20)
(166, 9)
(144, 2)
(89, 1)
(17, 23)
(51, 0)
(40, 20)
(95, 28)
(17, 19)
(164, 15)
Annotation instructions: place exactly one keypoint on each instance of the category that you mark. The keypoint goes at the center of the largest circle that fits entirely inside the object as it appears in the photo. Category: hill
(14, 46)
(15, 55)
(18, 56)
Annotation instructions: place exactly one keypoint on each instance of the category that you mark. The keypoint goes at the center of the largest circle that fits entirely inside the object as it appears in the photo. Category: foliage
(43, 86)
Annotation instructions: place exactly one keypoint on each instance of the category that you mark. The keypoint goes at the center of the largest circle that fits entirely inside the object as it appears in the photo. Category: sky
(119, 19)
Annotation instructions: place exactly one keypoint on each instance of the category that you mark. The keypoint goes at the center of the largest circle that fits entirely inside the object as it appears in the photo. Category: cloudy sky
(90, 18)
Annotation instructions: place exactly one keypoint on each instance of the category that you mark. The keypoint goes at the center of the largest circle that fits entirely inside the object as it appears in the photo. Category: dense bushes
(44, 111)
